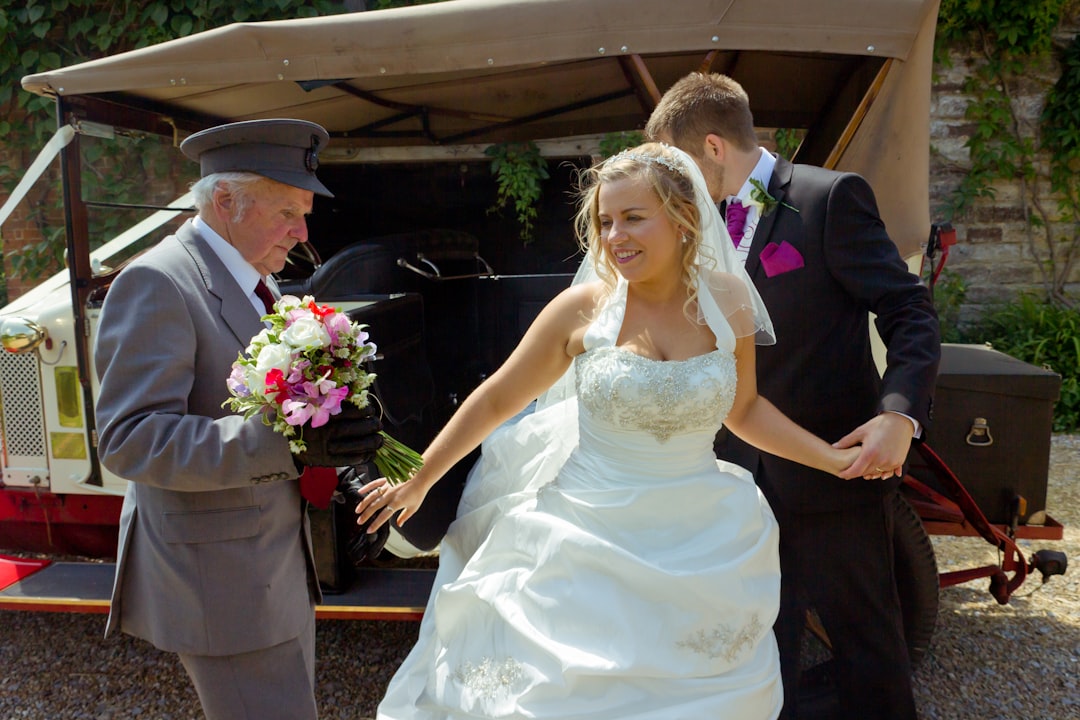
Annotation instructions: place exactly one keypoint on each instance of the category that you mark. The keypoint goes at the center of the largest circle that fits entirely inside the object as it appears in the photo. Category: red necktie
(265, 295)
(317, 484)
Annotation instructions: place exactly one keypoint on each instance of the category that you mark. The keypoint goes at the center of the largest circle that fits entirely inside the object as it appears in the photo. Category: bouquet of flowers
(302, 368)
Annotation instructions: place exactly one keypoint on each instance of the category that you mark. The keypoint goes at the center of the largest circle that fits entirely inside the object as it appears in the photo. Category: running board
(84, 587)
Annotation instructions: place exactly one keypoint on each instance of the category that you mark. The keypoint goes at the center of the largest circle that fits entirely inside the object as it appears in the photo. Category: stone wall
(996, 244)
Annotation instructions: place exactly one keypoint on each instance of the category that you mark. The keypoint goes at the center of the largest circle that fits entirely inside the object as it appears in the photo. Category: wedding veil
(727, 300)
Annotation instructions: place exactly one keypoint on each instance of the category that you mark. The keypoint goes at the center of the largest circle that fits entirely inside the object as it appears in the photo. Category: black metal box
(993, 418)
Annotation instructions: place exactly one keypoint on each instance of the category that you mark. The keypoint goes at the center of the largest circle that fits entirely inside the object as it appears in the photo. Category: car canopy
(854, 74)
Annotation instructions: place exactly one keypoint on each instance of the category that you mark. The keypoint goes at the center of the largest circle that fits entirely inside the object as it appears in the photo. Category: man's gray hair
(238, 184)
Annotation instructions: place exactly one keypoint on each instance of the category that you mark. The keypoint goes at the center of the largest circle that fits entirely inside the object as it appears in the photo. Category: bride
(604, 564)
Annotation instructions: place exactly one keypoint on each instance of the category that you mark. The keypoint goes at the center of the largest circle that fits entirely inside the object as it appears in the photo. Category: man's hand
(885, 441)
(350, 438)
(362, 545)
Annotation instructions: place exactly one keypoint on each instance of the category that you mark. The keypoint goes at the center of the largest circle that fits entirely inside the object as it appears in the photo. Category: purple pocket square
(779, 259)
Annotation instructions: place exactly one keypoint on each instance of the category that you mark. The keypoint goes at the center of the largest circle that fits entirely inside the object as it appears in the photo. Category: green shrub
(1043, 334)
(615, 142)
(949, 293)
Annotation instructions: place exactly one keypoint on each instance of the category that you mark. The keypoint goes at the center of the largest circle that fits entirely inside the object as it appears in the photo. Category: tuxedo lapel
(778, 183)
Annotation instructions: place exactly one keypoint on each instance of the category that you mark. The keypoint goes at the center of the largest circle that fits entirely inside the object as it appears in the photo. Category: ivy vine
(788, 141)
(615, 142)
(518, 169)
(41, 35)
(1010, 38)
(1061, 141)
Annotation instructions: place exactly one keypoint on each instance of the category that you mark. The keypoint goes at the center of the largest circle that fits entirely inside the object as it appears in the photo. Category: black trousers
(841, 564)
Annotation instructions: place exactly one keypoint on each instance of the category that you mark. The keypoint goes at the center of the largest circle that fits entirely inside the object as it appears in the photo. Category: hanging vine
(1010, 38)
(518, 169)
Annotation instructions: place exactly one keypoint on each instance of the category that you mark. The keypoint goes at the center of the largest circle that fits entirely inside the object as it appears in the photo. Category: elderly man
(215, 560)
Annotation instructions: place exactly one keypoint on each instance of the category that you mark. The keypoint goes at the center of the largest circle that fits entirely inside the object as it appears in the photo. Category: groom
(817, 250)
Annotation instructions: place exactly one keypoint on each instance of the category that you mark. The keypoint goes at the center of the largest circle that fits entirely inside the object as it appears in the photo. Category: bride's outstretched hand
(382, 500)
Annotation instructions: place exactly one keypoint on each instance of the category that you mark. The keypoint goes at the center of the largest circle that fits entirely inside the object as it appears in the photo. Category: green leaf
(181, 26)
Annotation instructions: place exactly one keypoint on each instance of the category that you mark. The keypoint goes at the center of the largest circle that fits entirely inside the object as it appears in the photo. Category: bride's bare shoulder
(580, 299)
(571, 312)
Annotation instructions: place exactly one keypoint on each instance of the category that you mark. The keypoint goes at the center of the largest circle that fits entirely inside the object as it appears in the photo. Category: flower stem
(396, 461)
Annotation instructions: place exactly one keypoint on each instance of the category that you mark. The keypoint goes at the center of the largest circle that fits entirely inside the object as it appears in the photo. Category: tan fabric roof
(491, 70)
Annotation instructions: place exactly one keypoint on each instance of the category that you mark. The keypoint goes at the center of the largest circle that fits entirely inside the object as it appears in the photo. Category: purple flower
(298, 372)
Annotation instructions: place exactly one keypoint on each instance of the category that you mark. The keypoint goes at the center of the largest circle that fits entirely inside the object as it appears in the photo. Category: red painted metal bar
(1001, 585)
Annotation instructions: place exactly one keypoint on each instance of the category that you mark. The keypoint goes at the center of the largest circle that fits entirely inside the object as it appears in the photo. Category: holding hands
(883, 443)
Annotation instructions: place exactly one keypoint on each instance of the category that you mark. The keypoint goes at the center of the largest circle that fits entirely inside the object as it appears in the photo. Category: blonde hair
(662, 170)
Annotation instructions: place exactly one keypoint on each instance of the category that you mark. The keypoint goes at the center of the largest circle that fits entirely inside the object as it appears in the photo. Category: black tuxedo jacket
(821, 372)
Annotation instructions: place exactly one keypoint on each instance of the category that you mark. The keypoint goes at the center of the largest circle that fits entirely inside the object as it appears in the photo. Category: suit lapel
(237, 312)
(778, 183)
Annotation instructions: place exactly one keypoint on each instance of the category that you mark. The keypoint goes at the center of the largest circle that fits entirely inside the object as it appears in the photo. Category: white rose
(255, 382)
(261, 339)
(270, 357)
(287, 303)
(306, 333)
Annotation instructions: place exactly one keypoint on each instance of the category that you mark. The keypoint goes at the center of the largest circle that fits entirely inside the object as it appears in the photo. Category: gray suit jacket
(215, 552)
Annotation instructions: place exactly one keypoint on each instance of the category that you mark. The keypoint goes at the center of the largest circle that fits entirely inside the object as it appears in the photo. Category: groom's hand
(885, 440)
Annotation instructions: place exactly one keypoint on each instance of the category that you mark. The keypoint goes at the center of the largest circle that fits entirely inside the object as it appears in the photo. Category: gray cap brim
(280, 149)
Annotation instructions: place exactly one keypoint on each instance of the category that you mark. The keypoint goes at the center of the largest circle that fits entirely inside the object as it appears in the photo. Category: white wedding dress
(615, 571)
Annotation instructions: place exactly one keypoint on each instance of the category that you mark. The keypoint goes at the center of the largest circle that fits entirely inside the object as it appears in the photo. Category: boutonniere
(765, 202)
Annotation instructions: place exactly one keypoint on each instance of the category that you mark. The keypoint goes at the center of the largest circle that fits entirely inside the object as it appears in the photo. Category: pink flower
(237, 382)
(318, 408)
(338, 326)
(297, 412)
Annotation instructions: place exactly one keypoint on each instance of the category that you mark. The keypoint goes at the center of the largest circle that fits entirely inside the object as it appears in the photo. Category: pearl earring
(683, 239)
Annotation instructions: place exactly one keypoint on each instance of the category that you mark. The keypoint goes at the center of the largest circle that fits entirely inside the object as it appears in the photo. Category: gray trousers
(276, 683)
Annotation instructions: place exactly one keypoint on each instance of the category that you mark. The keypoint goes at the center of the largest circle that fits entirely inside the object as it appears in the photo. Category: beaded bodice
(662, 398)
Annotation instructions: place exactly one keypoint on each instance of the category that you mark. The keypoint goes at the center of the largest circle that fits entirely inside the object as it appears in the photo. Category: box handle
(979, 434)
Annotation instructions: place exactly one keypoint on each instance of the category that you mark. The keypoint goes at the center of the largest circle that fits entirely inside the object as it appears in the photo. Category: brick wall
(23, 227)
(160, 172)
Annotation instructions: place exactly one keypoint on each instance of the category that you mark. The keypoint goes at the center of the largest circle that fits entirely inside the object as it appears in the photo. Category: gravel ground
(986, 662)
